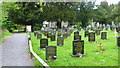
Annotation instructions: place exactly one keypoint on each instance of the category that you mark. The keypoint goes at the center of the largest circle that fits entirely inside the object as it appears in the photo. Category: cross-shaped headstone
(101, 47)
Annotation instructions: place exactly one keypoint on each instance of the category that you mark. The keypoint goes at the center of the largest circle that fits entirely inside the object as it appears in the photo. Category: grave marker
(43, 43)
(86, 33)
(39, 36)
(51, 53)
(60, 41)
(91, 37)
(118, 41)
(78, 48)
(104, 35)
(52, 38)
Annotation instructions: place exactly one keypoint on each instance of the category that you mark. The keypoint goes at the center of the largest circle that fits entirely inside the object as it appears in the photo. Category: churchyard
(90, 53)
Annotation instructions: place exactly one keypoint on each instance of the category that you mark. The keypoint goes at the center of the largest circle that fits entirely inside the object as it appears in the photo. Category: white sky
(109, 1)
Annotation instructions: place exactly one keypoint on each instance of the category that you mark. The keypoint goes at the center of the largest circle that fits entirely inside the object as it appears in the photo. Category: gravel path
(15, 51)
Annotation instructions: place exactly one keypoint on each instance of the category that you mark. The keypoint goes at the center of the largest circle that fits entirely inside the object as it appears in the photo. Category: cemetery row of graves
(77, 46)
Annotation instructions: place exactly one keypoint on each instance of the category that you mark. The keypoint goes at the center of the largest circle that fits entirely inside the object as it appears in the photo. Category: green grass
(108, 58)
(4, 34)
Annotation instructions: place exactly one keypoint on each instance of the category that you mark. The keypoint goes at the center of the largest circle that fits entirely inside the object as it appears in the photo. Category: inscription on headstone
(60, 41)
(78, 48)
(86, 33)
(43, 43)
(104, 35)
(39, 36)
(52, 38)
(51, 53)
(91, 37)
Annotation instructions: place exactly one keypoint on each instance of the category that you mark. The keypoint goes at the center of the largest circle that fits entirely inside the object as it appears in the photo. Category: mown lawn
(108, 58)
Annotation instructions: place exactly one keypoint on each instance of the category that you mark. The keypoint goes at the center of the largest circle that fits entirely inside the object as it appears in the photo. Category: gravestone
(49, 35)
(59, 33)
(118, 41)
(51, 52)
(104, 35)
(76, 33)
(78, 48)
(43, 43)
(52, 38)
(86, 33)
(68, 32)
(60, 41)
(91, 37)
(39, 36)
(97, 32)
(77, 37)
(118, 30)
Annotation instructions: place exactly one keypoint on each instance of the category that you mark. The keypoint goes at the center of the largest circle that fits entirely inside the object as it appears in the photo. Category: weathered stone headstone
(51, 52)
(91, 37)
(78, 48)
(52, 38)
(104, 35)
(86, 33)
(118, 41)
(60, 41)
(43, 43)
(39, 36)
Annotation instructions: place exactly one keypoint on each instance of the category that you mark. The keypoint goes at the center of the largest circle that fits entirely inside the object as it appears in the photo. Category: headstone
(76, 33)
(118, 41)
(86, 33)
(51, 52)
(77, 37)
(78, 48)
(39, 36)
(97, 32)
(118, 30)
(59, 32)
(104, 35)
(43, 43)
(60, 41)
(52, 38)
(91, 37)
(49, 35)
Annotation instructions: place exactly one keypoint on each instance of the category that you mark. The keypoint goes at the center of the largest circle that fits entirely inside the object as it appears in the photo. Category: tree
(58, 12)
(85, 13)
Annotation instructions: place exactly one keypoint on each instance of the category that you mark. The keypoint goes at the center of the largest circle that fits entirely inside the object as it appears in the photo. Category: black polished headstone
(77, 37)
(91, 37)
(51, 53)
(118, 41)
(104, 35)
(52, 38)
(43, 43)
(86, 33)
(60, 41)
(78, 47)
